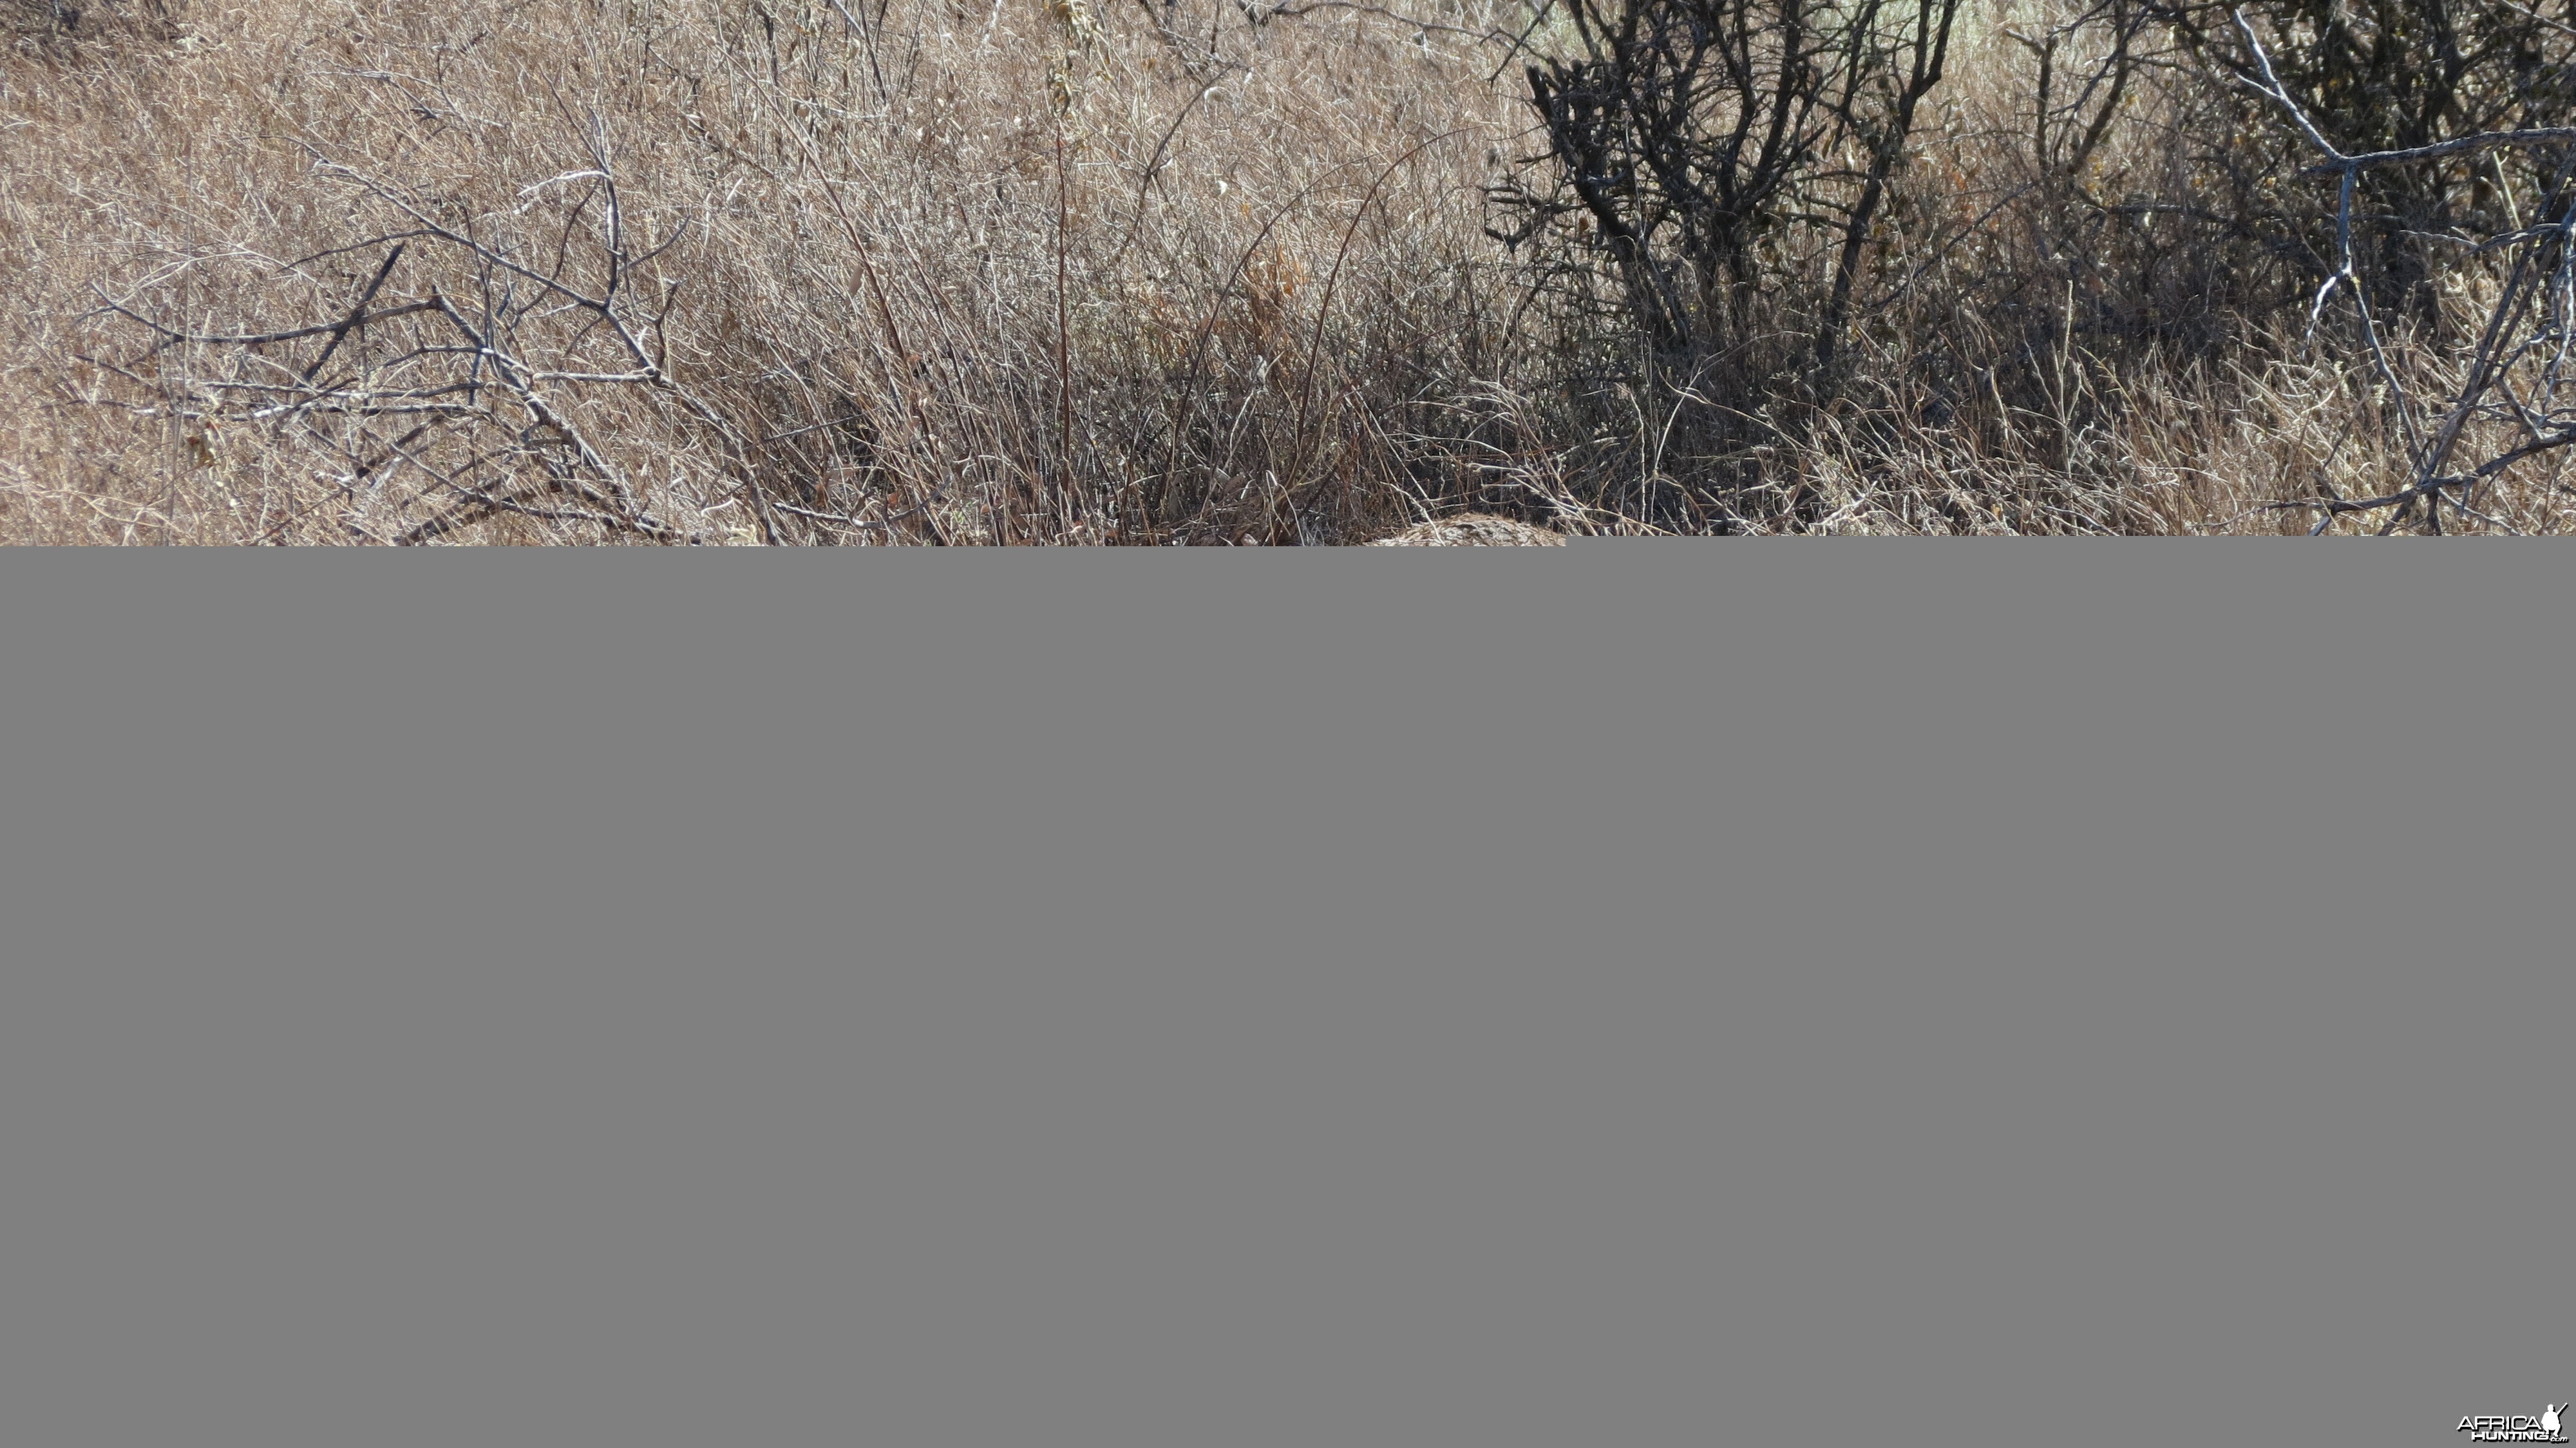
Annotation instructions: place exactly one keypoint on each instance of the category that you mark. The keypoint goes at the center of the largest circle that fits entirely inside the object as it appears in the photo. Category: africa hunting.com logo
(2547, 1428)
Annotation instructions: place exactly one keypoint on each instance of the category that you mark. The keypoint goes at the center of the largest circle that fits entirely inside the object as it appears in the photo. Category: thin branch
(357, 314)
(2457, 146)
(256, 339)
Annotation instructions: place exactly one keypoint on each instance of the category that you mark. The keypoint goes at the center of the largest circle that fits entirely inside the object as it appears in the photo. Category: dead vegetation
(1002, 272)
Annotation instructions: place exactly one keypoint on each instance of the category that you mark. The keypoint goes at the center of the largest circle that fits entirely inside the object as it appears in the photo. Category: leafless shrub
(469, 394)
(2508, 395)
(1696, 135)
(2393, 75)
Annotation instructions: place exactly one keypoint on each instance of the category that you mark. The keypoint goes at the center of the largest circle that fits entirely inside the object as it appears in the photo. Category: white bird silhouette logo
(2549, 1420)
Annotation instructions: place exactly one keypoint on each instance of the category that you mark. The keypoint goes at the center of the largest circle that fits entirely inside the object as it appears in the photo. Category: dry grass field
(1004, 272)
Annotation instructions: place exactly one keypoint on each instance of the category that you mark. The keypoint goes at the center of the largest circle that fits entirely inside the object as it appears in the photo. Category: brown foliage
(824, 271)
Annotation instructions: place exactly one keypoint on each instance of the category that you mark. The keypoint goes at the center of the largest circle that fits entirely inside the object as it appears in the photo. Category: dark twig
(357, 314)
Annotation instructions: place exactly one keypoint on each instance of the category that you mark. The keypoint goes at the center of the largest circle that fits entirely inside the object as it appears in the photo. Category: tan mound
(1472, 530)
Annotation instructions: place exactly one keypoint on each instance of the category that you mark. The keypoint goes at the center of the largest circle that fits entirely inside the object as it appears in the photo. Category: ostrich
(1473, 530)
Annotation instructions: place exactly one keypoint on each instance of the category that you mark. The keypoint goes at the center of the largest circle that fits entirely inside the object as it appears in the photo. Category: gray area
(1608, 996)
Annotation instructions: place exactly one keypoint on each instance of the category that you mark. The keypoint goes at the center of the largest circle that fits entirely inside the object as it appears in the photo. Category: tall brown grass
(743, 271)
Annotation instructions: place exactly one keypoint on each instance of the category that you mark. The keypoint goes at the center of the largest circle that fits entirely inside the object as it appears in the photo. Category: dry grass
(811, 271)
